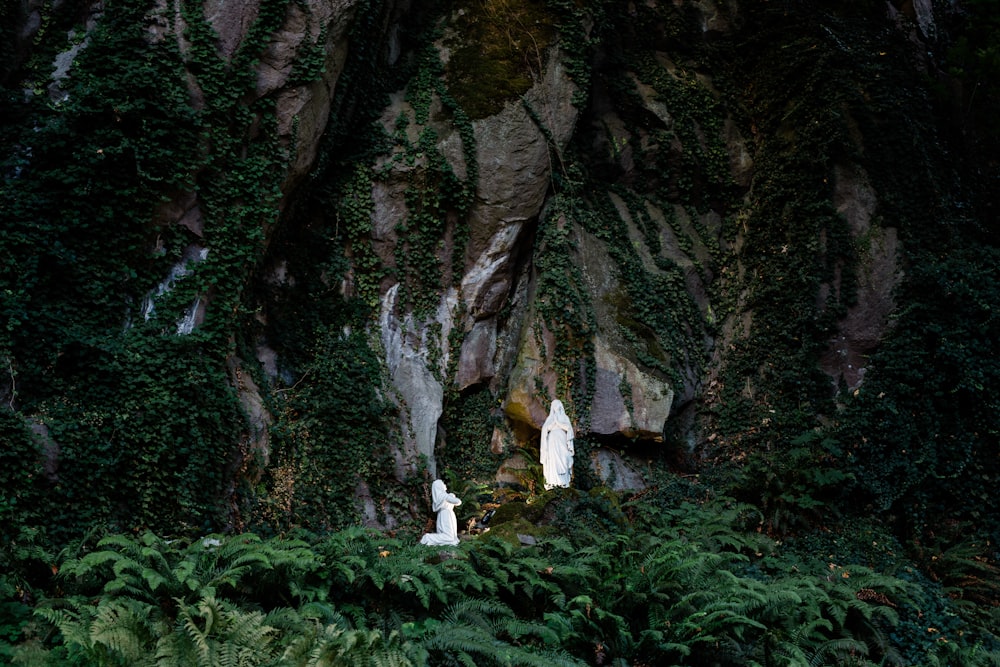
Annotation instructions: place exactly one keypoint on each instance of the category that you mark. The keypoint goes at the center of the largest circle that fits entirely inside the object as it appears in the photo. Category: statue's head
(438, 493)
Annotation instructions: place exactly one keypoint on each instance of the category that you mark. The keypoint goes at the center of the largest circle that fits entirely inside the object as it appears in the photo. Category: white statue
(557, 447)
(444, 504)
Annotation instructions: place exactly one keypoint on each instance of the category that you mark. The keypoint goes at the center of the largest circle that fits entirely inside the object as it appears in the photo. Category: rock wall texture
(375, 241)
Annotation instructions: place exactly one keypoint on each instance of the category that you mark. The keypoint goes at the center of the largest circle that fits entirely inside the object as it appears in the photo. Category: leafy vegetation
(116, 419)
(679, 583)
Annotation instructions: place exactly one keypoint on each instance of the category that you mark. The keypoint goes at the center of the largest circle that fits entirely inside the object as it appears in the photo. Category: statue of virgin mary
(557, 447)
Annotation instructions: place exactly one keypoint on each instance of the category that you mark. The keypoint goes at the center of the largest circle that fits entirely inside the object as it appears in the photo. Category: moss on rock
(497, 52)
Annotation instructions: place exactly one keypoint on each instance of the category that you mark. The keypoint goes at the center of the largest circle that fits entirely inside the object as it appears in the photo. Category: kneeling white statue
(444, 504)
(556, 447)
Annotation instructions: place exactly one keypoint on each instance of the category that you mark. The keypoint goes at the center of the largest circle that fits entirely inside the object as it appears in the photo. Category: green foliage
(672, 583)
(155, 571)
(468, 422)
(820, 96)
(966, 570)
(100, 162)
(330, 430)
(482, 632)
(355, 211)
(700, 173)
(24, 567)
(655, 309)
(793, 242)
(624, 163)
(310, 65)
(207, 633)
(373, 575)
(574, 23)
(806, 484)
(432, 235)
(923, 431)
(21, 478)
(144, 417)
(921, 427)
(564, 305)
(172, 602)
(149, 432)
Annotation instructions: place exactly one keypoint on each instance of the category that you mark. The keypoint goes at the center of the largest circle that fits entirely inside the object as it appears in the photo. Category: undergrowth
(674, 581)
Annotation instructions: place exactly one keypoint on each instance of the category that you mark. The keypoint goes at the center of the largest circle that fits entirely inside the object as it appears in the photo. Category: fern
(336, 646)
(213, 632)
(460, 575)
(838, 651)
(165, 600)
(761, 600)
(107, 634)
(721, 524)
(482, 632)
(686, 590)
(948, 654)
(125, 629)
(156, 570)
(843, 611)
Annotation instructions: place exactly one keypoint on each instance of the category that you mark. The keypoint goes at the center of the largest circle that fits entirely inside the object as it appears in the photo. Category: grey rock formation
(507, 259)
(627, 401)
(878, 274)
(615, 471)
(417, 388)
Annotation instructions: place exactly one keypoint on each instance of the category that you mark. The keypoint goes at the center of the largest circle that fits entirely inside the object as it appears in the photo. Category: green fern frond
(462, 642)
(88, 563)
(73, 624)
(154, 557)
(766, 600)
(213, 631)
(721, 618)
(789, 656)
(472, 611)
(126, 543)
(839, 649)
(558, 544)
(812, 631)
(153, 579)
(174, 648)
(517, 629)
(198, 638)
(124, 628)
(324, 613)
(337, 647)
(460, 574)
(300, 647)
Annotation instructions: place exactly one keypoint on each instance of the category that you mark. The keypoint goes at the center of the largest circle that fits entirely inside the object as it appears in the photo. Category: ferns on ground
(692, 585)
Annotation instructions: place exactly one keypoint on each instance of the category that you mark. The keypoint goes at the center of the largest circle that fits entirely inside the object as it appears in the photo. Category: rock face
(511, 156)
(627, 401)
(512, 153)
(630, 230)
(879, 272)
(416, 383)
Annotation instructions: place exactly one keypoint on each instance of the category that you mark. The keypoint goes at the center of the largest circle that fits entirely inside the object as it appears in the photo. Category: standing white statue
(444, 504)
(557, 447)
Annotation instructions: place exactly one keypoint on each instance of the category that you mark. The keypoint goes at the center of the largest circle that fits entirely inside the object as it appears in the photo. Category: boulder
(614, 471)
(627, 400)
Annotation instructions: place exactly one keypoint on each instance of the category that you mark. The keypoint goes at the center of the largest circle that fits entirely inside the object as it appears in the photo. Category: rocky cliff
(284, 263)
